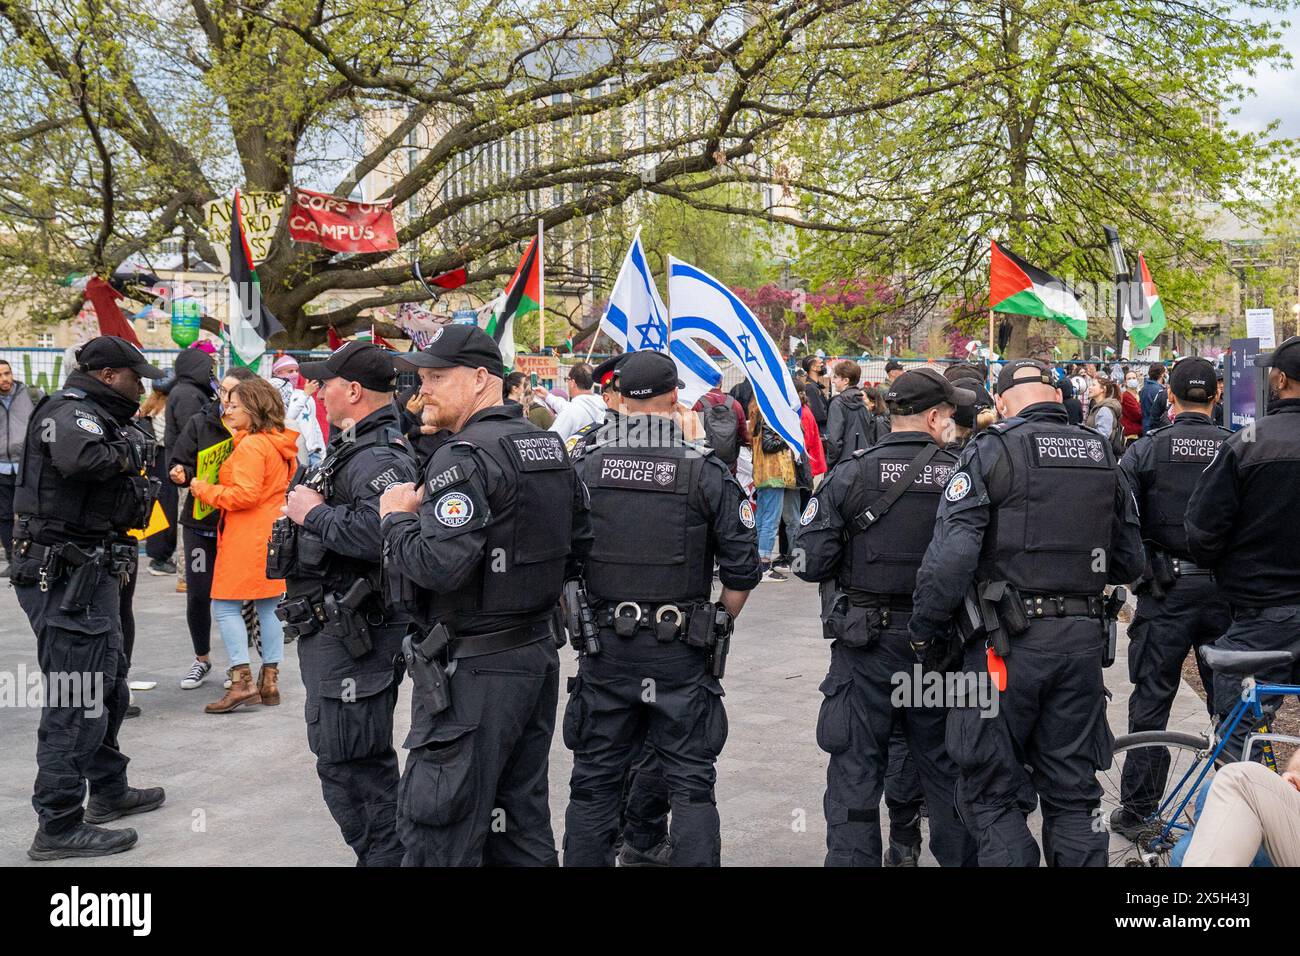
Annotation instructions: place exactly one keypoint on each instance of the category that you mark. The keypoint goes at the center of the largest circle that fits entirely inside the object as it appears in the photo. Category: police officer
(965, 420)
(480, 553)
(1238, 524)
(1179, 606)
(862, 536)
(81, 487)
(663, 510)
(1039, 518)
(645, 801)
(349, 646)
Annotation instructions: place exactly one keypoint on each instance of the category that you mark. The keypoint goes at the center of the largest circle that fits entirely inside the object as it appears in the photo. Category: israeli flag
(636, 317)
(704, 308)
(697, 371)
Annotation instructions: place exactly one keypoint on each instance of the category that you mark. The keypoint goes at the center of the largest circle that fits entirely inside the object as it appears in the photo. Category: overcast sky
(1277, 92)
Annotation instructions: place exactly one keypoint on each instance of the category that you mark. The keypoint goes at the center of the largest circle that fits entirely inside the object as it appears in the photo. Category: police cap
(465, 345)
(647, 374)
(109, 351)
(362, 362)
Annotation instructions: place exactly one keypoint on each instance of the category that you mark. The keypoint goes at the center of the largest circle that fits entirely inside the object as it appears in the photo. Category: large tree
(123, 119)
(1089, 112)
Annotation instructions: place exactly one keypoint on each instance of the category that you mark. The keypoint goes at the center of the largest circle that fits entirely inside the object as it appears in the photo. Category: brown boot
(242, 691)
(268, 685)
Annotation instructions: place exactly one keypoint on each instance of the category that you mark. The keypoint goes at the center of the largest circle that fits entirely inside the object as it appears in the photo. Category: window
(45, 340)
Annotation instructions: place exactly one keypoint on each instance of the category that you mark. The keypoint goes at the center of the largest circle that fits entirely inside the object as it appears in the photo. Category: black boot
(659, 855)
(902, 854)
(132, 800)
(81, 840)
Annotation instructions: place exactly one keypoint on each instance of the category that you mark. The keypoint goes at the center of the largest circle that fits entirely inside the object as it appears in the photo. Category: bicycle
(1175, 766)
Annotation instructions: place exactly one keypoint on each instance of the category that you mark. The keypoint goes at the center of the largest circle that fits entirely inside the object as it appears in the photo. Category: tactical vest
(650, 543)
(531, 526)
(884, 558)
(62, 508)
(316, 564)
(1180, 453)
(1050, 534)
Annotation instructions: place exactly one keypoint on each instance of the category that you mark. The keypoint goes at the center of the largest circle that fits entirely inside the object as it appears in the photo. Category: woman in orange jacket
(249, 492)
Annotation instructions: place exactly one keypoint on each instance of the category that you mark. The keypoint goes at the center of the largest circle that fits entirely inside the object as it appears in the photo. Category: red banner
(340, 224)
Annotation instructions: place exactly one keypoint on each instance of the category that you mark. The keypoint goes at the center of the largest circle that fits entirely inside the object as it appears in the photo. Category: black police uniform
(1237, 524)
(80, 489)
(502, 521)
(662, 510)
(868, 571)
(1179, 607)
(1039, 503)
(351, 659)
(645, 802)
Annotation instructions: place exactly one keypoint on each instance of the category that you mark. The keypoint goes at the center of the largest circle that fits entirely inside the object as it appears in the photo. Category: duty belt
(494, 642)
(626, 617)
(1185, 569)
(1062, 605)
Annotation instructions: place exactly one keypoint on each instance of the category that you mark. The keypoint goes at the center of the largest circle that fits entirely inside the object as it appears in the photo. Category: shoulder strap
(880, 507)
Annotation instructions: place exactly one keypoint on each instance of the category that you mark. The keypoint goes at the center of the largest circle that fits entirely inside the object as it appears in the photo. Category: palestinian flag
(523, 293)
(1152, 316)
(251, 322)
(1018, 288)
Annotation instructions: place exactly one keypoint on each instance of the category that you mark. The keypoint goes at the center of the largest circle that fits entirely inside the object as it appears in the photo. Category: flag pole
(541, 291)
(989, 383)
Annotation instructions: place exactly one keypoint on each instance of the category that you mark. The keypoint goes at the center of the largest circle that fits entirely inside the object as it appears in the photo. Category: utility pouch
(281, 549)
(312, 553)
(1162, 570)
(863, 626)
(424, 662)
(701, 630)
(299, 614)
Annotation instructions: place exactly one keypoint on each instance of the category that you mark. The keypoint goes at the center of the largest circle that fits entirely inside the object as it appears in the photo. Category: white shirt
(582, 411)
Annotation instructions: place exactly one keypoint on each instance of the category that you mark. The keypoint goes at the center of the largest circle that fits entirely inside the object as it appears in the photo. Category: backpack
(720, 430)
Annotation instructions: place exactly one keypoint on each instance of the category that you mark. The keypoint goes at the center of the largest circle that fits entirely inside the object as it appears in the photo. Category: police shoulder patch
(89, 425)
(453, 509)
(958, 487)
(809, 513)
(383, 480)
(747, 514)
(446, 478)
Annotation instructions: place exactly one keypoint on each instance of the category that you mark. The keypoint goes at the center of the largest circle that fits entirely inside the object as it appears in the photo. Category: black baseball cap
(970, 378)
(1284, 358)
(1193, 380)
(605, 373)
(1022, 372)
(109, 351)
(362, 362)
(892, 365)
(923, 388)
(647, 374)
(466, 346)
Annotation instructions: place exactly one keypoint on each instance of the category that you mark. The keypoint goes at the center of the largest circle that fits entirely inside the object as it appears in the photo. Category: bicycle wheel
(1182, 757)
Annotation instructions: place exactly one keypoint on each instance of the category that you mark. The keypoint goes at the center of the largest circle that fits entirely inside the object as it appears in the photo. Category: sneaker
(132, 800)
(1126, 823)
(83, 840)
(161, 568)
(132, 710)
(198, 671)
(772, 574)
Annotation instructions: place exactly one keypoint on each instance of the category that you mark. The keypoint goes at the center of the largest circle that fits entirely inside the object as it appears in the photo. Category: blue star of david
(744, 345)
(652, 334)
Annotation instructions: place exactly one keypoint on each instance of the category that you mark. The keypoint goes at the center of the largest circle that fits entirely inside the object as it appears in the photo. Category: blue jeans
(230, 622)
(775, 504)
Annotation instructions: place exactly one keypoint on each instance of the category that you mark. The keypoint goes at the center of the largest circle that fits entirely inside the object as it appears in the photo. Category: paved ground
(242, 788)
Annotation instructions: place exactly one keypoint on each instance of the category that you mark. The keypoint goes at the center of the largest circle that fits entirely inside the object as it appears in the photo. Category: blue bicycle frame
(1251, 693)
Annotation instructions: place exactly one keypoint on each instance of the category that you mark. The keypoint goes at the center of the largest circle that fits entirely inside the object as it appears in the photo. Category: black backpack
(721, 429)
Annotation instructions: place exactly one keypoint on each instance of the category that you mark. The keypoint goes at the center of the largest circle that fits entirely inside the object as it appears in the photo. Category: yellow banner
(207, 465)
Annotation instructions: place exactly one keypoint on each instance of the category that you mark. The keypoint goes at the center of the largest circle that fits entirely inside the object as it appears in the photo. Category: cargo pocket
(575, 714)
(1103, 740)
(834, 730)
(356, 716)
(716, 727)
(437, 789)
